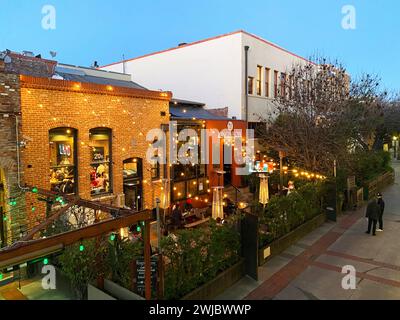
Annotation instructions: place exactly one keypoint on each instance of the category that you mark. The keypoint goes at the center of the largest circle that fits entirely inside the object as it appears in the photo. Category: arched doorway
(133, 183)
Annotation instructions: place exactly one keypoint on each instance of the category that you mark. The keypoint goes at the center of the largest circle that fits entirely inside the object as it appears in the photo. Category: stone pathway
(312, 268)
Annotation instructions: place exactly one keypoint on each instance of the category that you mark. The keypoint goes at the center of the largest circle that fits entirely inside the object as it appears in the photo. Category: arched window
(101, 161)
(63, 159)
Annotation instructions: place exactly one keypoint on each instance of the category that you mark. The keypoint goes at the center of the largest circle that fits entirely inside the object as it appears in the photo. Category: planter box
(112, 291)
(219, 284)
(281, 244)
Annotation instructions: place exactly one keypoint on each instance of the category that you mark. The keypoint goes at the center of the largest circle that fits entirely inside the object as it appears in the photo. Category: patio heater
(165, 197)
(264, 190)
(218, 203)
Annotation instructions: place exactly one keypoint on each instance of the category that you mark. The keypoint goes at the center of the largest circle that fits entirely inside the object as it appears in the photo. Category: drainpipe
(246, 75)
(18, 154)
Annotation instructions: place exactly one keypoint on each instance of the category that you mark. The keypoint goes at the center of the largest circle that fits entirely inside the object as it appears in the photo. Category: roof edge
(83, 87)
(211, 39)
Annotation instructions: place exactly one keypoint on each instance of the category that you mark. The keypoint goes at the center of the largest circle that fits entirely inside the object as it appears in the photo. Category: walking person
(381, 203)
(373, 213)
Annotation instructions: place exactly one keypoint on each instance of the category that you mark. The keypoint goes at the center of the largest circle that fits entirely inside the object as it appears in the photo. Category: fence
(376, 185)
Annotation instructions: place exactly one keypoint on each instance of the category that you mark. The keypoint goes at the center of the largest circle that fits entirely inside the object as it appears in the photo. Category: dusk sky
(88, 30)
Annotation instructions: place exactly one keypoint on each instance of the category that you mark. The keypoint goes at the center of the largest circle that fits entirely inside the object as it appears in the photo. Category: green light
(35, 190)
(4, 218)
(1, 276)
(12, 202)
(138, 229)
(81, 248)
(33, 209)
(46, 261)
(112, 237)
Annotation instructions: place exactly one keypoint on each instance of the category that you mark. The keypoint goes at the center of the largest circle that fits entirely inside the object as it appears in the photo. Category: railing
(376, 185)
(237, 190)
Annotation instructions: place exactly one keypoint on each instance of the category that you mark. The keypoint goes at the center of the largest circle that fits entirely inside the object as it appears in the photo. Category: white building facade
(237, 70)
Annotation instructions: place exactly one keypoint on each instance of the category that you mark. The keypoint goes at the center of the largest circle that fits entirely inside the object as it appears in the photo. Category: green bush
(286, 213)
(83, 266)
(193, 257)
(120, 257)
(369, 165)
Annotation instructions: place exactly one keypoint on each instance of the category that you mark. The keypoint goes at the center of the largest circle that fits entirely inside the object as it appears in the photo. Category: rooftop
(89, 75)
(184, 45)
(183, 109)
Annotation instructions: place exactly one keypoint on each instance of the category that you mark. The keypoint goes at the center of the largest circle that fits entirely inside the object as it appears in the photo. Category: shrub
(193, 257)
(368, 165)
(120, 257)
(286, 213)
(83, 266)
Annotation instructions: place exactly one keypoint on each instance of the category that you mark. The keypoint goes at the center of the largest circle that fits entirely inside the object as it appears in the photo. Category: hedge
(194, 257)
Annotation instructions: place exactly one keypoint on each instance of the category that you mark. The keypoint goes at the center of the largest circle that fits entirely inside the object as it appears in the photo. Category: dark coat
(373, 210)
(381, 205)
(177, 216)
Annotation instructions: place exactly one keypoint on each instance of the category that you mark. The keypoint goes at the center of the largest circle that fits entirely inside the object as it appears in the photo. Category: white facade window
(250, 85)
(267, 82)
(276, 73)
(259, 80)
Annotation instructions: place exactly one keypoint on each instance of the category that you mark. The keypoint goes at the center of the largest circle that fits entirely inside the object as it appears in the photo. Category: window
(283, 85)
(63, 173)
(267, 76)
(291, 86)
(259, 80)
(101, 162)
(250, 85)
(155, 171)
(179, 191)
(276, 84)
(187, 179)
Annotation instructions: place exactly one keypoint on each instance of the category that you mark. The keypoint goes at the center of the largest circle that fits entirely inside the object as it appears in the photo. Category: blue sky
(89, 30)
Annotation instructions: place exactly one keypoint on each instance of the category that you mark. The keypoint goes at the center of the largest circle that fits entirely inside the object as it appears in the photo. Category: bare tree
(321, 115)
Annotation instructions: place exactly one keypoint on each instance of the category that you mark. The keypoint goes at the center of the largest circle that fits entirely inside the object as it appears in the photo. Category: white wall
(208, 72)
(265, 55)
(213, 72)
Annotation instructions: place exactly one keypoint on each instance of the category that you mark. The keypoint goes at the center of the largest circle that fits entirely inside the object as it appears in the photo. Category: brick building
(84, 132)
(9, 109)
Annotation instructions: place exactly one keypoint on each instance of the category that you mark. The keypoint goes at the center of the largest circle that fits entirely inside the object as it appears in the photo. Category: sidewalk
(311, 269)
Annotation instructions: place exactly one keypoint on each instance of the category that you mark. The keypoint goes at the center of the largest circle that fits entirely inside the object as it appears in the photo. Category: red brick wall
(130, 118)
(31, 66)
(10, 102)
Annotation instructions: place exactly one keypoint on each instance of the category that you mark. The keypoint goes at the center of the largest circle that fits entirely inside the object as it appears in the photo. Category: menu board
(140, 275)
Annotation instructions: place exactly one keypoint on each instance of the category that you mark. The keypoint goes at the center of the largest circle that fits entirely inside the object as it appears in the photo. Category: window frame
(110, 161)
(250, 85)
(259, 80)
(74, 133)
(276, 76)
(267, 82)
